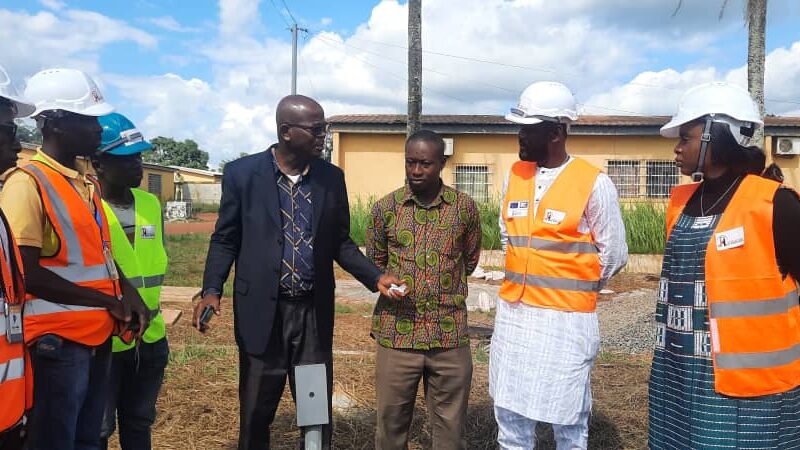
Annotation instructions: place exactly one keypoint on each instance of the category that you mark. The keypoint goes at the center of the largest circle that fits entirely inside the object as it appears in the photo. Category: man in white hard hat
(563, 235)
(77, 296)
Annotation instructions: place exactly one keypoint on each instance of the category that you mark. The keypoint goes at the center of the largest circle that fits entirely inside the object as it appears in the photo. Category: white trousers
(517, 432)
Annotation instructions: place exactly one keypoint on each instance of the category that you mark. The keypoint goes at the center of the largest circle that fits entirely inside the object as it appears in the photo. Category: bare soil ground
(201, 223)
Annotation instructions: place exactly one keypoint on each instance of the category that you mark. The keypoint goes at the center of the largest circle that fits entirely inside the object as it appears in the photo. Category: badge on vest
(13, 318)
(148, 232)
(517, 209)
(729, 239)
(553, 217)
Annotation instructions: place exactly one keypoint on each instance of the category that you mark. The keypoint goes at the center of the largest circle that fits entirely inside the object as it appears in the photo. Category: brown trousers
(446, 375)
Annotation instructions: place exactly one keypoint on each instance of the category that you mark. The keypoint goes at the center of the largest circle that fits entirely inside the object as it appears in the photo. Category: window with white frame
(474, 180)
(643, 178)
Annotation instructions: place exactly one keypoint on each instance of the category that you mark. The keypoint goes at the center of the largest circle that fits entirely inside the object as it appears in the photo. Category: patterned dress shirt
(297, 268)
(432, 248)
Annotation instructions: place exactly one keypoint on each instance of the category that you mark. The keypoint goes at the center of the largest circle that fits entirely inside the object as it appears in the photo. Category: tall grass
(645, 227)
(644, 224)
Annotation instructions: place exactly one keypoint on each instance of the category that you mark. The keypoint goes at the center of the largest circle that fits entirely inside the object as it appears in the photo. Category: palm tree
(755, 16)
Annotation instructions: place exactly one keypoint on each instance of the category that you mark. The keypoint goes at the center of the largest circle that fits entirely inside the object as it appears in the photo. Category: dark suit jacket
(248, 232)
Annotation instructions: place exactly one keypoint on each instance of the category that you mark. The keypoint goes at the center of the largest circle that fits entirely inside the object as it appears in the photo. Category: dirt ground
(198, 406)
(201, 223)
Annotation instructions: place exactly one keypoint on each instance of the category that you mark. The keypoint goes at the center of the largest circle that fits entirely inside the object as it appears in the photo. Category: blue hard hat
(120, 136)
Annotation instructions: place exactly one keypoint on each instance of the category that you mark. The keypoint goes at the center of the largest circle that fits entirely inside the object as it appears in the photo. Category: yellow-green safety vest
(145, 262)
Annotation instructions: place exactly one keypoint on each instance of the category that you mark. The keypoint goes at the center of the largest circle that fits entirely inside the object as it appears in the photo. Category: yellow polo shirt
(22, 204)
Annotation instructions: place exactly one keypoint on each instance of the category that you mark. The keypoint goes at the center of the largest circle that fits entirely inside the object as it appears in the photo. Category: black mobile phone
(205, 317)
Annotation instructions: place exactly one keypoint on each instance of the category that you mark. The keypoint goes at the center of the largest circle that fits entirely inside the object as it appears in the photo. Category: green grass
(481, 355)
(187, 256)
(182, 355)
(343, 309)
(645, 226)
(360, 217)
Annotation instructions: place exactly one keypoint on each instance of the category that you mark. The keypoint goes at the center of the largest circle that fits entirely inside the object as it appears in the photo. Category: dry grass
(198, 406)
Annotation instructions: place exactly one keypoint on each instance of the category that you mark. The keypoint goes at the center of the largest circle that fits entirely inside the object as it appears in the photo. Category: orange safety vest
(753, 310)
(82, 235)
(549, 263)
(15, 375)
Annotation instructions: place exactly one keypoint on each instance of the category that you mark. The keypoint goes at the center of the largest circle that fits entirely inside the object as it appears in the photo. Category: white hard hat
(723, 102)
(7, 91)
(68, 90)
(544, 101)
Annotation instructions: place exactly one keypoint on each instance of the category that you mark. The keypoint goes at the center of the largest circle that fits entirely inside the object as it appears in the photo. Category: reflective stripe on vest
(145, 262)
(12, 369)
(79, 260)
(753, 310)
(549, 262)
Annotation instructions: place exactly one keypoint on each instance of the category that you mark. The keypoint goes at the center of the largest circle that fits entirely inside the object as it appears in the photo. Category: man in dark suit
(284, 218)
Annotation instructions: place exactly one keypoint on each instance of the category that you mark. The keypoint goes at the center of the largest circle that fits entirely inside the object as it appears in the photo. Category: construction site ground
(198, 405)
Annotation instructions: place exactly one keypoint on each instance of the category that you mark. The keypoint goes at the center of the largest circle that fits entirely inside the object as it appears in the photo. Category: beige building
(369, 148)
(157, 180)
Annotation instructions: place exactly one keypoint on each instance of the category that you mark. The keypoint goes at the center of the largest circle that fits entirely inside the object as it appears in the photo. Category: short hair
(430, 137)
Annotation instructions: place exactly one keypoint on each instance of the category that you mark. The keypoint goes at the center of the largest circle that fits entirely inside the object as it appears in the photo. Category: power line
(391, 74)
(289, 11)
(280, 13)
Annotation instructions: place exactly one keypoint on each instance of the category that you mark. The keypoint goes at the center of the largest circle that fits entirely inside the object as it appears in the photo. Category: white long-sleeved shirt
(541, 359)
(602, 218)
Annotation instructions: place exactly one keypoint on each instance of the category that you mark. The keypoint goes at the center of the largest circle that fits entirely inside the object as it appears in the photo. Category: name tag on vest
(148, 232)
(553, 217)
(517, 209)
(730, 239)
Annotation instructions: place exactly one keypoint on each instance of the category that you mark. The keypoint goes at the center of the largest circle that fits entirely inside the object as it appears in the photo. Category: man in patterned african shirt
(429, 235)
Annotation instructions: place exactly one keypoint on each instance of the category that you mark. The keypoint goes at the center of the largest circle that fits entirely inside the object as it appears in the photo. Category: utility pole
(756, 37)
(414, 66)
(294, 29)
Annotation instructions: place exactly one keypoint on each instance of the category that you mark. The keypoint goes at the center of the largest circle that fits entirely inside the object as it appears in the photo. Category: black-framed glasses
(9, 129)
(315, 130)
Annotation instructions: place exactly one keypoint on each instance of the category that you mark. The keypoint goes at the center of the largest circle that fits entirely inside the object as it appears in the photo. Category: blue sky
(213, 70)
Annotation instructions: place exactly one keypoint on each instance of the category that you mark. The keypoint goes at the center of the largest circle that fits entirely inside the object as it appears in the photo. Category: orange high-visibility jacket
(549, 263)
(753, 309)
(15, 375)
(82, 235)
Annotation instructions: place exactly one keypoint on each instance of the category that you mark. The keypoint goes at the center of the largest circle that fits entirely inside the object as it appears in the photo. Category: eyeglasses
(9, 129)
(316, 130)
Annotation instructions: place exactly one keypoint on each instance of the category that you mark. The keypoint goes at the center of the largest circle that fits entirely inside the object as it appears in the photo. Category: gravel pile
(627, 321)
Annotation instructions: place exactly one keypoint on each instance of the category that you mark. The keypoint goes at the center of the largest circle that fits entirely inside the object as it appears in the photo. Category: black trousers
(262, 378)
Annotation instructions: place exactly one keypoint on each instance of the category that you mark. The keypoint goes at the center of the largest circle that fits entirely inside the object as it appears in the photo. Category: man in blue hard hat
(137, 240)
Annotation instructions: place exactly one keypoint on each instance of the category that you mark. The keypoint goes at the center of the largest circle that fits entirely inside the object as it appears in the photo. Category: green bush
(198, 208)
(644, 224)
(645, 227)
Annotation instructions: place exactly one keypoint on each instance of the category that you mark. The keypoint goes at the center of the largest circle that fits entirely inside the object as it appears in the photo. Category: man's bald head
(298, 109)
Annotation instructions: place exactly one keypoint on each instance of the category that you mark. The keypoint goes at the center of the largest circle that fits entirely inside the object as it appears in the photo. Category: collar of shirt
(63, 170)
(408, 196)
(277, 168)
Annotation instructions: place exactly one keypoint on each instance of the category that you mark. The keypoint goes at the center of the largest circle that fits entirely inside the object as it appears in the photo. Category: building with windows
(369, 148)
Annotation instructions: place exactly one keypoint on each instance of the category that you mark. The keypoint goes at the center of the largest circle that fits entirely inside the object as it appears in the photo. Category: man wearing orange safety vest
(74, 294)
(15, 377)
(564, 238)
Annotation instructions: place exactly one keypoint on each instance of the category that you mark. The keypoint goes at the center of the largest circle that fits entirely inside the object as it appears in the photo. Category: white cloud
(325, 21)
(55, 5)
(589, 44)
(238, 16)
(659, 92)
(70, 37)
(169, 23)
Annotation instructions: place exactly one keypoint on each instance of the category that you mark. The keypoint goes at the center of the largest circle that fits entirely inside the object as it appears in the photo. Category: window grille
(643, 178)
(474, 180)
(154, 184)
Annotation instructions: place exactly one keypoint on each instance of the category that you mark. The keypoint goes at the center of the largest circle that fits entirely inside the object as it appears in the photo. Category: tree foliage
(169, 152)
(226, 161)
(29, 134)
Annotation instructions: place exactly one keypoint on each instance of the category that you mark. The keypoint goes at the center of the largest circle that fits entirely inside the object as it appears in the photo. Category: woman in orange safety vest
(726, 367)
